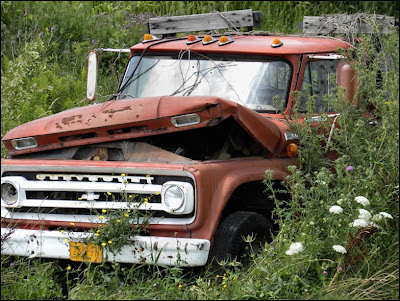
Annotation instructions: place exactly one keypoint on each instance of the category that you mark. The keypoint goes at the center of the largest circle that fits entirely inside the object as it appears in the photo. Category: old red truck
(194, 125)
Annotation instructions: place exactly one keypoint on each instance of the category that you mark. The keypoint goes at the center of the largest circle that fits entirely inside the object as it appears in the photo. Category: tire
(228, 241)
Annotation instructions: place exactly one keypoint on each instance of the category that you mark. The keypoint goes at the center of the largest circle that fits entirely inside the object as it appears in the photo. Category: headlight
(177, 197)
(9, 193)
(174, 198)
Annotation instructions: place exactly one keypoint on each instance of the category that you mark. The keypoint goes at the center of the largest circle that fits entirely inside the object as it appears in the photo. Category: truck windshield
(262, 85)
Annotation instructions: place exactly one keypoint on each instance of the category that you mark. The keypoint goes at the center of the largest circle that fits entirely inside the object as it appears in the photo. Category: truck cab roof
(250, 44)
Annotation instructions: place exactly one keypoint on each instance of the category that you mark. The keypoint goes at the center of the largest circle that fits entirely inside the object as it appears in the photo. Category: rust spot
(71, 119)
(110, 116)
(170, 256)
(137, 116)
(94, 116)
(155, 246)
(141, 249)
(142, 260)
(58, 126)
(200, 246)
(115, 111)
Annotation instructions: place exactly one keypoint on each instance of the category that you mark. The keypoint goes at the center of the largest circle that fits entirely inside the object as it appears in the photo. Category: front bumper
(151, 250)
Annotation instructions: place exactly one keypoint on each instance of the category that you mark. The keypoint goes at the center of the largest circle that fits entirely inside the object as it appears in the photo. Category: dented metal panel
(132, 118)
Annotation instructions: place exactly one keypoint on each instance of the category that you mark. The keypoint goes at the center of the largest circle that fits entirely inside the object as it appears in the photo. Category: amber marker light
(192, 39)
(224, 40)
(276, 43)
(149, 37)
(208, 40)
(291, 150)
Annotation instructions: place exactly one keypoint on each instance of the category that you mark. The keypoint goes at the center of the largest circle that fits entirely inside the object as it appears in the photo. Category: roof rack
(236, 20)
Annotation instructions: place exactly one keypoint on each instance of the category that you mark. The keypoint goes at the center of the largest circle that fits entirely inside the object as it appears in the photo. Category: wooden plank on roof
(201, 22)
(342, 24)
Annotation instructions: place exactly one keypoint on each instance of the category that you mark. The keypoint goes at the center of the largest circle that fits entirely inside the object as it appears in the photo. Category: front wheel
(228, 240)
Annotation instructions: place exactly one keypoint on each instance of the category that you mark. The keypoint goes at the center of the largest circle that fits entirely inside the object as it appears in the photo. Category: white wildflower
(362, 200)
(336, 209)
(340, 249)
(364, 214)
(385, 215)
(294, 248)
(359, 223)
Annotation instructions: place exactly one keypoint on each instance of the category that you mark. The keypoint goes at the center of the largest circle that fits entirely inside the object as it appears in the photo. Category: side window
(318, 81)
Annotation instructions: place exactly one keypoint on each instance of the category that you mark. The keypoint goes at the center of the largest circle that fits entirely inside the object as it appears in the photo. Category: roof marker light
(224, 40)
(276, 43)
(149, 38)
(192, 39)
(208, 40)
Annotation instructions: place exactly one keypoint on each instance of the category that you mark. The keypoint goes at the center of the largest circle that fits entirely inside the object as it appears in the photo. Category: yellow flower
(148, 176)
(180, 285)
(223, 278)
(101, 217)
(109, 193)
(98, 230)
(130, 196)
(122, 269)
(218, 276)
(127, 215)
(122, 175)
(128, 210)
(104, 210)
(72, 224)
(118, 220)
(79, 199)
(97, 234)
(110, 242)
(103, 244)
(62, 231)
(146, 201)
(68, 267)
(157, 193)
(65, 240)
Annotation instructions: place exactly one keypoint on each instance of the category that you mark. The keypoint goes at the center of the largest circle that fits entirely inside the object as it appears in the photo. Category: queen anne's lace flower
(339, 249)
(294, 248)
(359, 223)
(385, 215)
(364, 214)
(336, 209)
(362, 200)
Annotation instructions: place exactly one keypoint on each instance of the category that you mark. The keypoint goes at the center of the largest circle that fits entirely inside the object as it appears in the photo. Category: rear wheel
(229, 240)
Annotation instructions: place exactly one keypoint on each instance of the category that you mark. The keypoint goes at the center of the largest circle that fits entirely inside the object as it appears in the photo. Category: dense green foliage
(43, 71)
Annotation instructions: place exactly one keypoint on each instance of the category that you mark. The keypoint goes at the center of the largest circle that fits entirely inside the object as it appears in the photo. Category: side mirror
(347, 78)
(92, 76)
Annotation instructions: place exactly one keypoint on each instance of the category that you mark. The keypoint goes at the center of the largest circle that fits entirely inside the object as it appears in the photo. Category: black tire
(228, 240)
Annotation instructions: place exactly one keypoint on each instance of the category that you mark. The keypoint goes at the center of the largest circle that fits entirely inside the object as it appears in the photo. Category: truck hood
(132, 118)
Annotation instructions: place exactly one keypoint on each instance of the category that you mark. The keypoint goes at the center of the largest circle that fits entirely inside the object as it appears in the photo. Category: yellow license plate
(79, 251)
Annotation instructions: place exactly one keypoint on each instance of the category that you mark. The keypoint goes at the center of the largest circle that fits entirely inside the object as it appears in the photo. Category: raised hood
(131, 118)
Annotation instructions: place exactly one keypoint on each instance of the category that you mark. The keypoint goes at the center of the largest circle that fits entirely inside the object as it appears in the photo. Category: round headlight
(9, 193)
(174, 197)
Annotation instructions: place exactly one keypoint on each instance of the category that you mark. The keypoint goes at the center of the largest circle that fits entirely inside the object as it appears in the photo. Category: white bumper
(141, 249)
